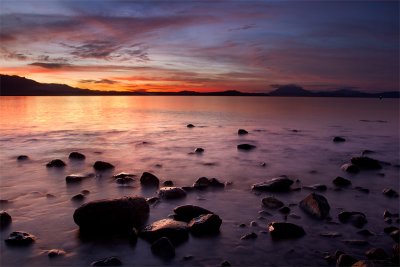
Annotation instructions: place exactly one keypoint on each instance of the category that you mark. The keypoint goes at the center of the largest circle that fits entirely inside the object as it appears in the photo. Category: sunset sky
(250, 46)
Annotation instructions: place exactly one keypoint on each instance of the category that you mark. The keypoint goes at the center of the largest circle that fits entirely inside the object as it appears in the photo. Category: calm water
(137, 133)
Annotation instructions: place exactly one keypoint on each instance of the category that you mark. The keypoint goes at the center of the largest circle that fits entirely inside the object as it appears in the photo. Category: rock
(388, 220)
(283, 230)
(152, 200)
(102, 166)
(362, 189)
(390, 192)
(20, 239)
(356, 242)
(163, 248)
(366, 163)
(176, 231)
(390, 229)
(284, 210)
(340, 181)
(242, 132)
(133, 236)
(115, 215)
(85, 192)
(278, 184)
(376, 254)
(318, 187)
(190, 125)
(251, 235)
(225, 263)
(171, 193)
(315, 205)
(245, 147)
(110, 261)
(367, 263)
(188, 212)
(149, 179)
(253, 224)
(396, 253)
(365, 232)
(76, 155)
(205, 224)
(58, 163)
(188, 257)
(22, 157)
(214, 182)
(330, 234)
(272, 203)
(168, 183)
(5, 219)
(345, 260)
(125, 180)
(204, 182)
(395, 235)
(55, 253)
(242, 225)
(78, 197)
(338, 139)
(124, 175)
(74, 178)
(357, 219)
(199, 150)
(351, 168)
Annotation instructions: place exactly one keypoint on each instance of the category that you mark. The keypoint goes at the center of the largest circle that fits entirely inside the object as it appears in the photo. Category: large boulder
(5, 219)
(366, 163)
(176, 231)
(171, 192)
(188, 212)
(205, 224)
(278, 184)
(284, 230)
(102, 166)
(357, 219)
(19, 238)
(149, 179)
(315, 205)
(109, 216)
(272, 203)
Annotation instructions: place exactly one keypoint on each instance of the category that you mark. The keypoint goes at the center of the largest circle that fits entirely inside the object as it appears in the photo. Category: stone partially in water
(204, 182)
(283, 230)
(376, 254)
(22, 157)
(205, 224)
(340, 181)
(76, 156)
(176, 231)
(110, 261)
(102, 166)
(246, 147)
(171, 193)
(19, 238)
(277, 184)
(188, 212)
(357, 219)
(338, 139)
(390, 192)
(366, 163)
(55, 253)
(199, 150)
(190, 125)
(58, 163)
(272, 203)
(5, 219)
(242, 132)
(78, 197)
(74, 178)
(315, 205)
(251, 235)
(163, 248)
(149, 179)
(350, 168)
(345, 260)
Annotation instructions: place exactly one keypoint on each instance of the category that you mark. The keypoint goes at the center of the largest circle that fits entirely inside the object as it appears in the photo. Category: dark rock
(110, 261)
(20, 239)
(338, 253)
(5, 219)
(283, 230)
(74, 178)
(395, 235)
(225, 263)
(345, 260)
(205, 224)
(55, 253)
(199, 150)
(396, 254)
(175, 231)
(50, 196)
(214, 182)
(253, 224)
(76, 155)
(115, 215)
(245, 147)
(78, 197)
(251, 235)
(390, 193)
(272, 203)
(376, 254)
(390, 229)
(351, 168)
(284, 210)
(152, 200)
(85, 192)
(188, 212)
(188, 257)
(330, 234)
(58, 163)
(190, 125)
(340, 181)
(149, 179)
(102, 166)
(318, 187)
(388, 220)
(124, 175)
(278, 184)
(366, 163)
(362, 189)
(242, 225)
(365, 232)
(163, 248)
(337, 139)
(125, 180)
(22, 157)
(171, 193)
(315, 205)
(242, 132)
(168, 183)
(355, 242)
(357, 219)
(201, 183)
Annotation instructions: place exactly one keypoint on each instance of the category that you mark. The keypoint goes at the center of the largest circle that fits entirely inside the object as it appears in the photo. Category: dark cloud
(244, 27)
(102, 81)
(47, 65)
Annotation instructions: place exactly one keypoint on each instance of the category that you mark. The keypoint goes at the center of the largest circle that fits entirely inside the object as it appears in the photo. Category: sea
(293, 137)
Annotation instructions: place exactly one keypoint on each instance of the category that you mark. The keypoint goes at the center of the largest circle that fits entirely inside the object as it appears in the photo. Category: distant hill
(290, 90)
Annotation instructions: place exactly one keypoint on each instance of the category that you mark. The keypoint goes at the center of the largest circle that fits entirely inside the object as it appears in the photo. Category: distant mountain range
(20, 86)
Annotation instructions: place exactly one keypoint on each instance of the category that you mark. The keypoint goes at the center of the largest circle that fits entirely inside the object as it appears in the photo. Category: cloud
(244, 27)
(102, 81)
(47, 65)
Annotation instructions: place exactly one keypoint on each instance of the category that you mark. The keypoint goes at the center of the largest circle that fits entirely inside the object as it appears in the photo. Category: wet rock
(188, 212)
(74, 178)
(171, 193)
(395, 235)
(188, 257)
(390, 192)
(366, 163)
(340, 181)
(110, 261)
(22, 157)
(396, 253)
(350, 168)
(214, 182)
(190, 125)
(55, 253)
(78, 197)
(338, 139)
(388, 220)
(357, 219)
(253, 224)
(168, 183)
(278, 184)
(58, 163)
(246, 147)
(50, 196)
(376, 254)
(330, 234)
(152, 200)
(368, 263)
(272, 203)
(199, 150)
(284, 210)
(345, 260)
(102, 166)
(124, 175)
(283, 230)
(149, 179)
(115, 215)
(225, 263)
(85, 192)
(251, 235)
(163, 248)
(76, 155)
(175, 231)
(318, 187)
(390, 229)
(133, 236)
(315, 205)
(20, 239)
(365, 232)
(242, 132)
(125, 180)
(205, 224)
(204, 182)
(5, 219)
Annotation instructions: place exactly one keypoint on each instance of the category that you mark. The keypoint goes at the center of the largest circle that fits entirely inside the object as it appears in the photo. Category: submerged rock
(188, 212)
(171, 193)
(190, 125)
(245, 147)
(318, 187)
(74, 178)
(284, 210)
(204, 182)
(102, 166)
(283, 230)
(351, 168)
(163, 248)
(76, 155)
(5, 219)
(176, 231)
(365, 232)
(272, 203)
(110, 261)
(205, 224)
(58, 163)
(315, 205)
(395, 235)
(340, 181)
(115, 215)
(366, 163)
(199, 150)
(338, 139)
(78, 197)
(124, 175)
(225, 264)
(149, 179)
(376, 254)
(242, 132)
(168, 183)
(55, 253)
(345, 260)
(357, 219)
(22, 157)
(278, 184)
(251, 235)
(390, 192)
(19, 238)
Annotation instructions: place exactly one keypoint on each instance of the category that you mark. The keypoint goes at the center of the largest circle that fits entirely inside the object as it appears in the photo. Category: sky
(250, 46)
